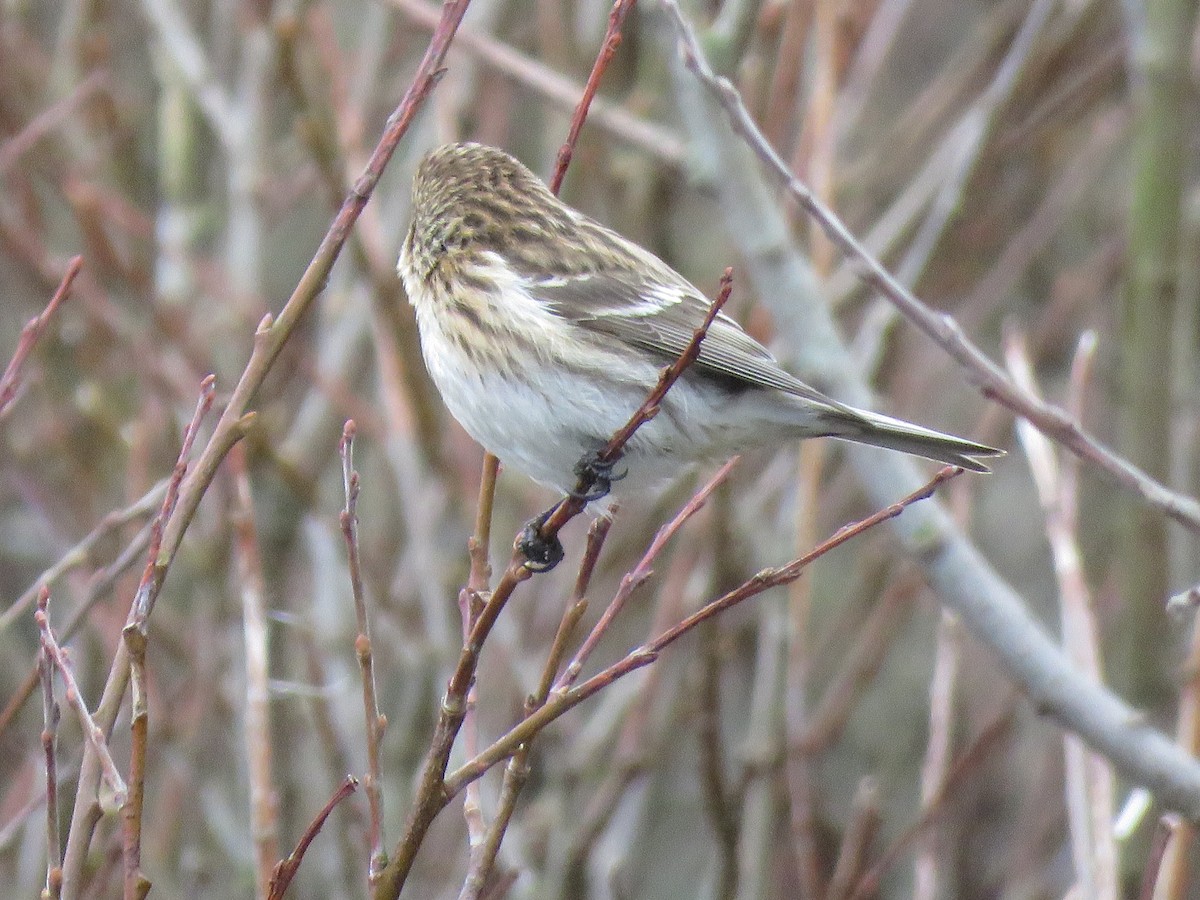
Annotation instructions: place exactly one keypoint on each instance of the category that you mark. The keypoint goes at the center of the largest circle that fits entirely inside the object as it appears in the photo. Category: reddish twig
(431, 796)
(155, 572)
(286, 870)
(648, 652)
(117, 792)
(375, 721)
(516, 773)
(10, 381)
(571, 506)
(50, 719)
(612, 39)
(264, 811)
(639, 574)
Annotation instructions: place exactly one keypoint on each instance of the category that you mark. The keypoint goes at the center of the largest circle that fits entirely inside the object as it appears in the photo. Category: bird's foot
(595, 476)
(541, 553)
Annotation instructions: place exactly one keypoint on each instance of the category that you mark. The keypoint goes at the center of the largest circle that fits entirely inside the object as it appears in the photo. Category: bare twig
(264, 817)
(608, 49)
(637, 576)
(516, 773)
(285, 871)
(50, 718)
(114, 783)
(989, 378)
(10, 381)
(648, 652)
(376, 722)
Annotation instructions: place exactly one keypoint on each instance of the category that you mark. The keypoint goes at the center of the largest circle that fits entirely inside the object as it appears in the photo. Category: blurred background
(1029, 168)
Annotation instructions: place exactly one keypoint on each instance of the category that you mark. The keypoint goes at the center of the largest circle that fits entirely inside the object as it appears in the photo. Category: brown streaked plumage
(544, 330)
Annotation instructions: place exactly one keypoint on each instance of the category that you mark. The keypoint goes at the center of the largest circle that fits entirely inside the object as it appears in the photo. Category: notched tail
(883, 431)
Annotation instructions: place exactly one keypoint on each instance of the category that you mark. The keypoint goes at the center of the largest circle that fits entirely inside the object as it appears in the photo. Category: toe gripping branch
(596, 476)
(539, 540)
(595, 479)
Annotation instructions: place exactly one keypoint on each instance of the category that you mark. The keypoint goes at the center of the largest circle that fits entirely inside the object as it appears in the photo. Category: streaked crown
(469, 198)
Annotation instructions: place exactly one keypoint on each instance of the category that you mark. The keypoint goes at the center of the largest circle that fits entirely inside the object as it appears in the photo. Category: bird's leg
(541, 553)
(595, 476)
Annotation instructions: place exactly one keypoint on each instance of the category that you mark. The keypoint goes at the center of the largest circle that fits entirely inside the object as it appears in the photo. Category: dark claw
(541, 554)
(596, 476)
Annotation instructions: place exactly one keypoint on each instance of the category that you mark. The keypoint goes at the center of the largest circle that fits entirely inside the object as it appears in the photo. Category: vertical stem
(1161, 86)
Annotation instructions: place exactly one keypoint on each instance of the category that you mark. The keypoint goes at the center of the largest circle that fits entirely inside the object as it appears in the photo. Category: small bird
(544, 331)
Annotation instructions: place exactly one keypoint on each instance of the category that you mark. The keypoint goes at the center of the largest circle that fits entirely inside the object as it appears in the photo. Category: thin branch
(270, 338)
(980, 371)
(375, 721)
(285, 871)
(640, 573)
(50, 719)
(10, 381)
(516, 773)
(649, 651)
(115, 784)
(608, 49)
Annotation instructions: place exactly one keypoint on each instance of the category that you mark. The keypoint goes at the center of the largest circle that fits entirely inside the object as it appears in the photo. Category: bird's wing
(660, 317)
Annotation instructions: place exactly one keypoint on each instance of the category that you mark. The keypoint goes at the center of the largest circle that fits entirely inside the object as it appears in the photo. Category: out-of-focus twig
(376, 722)
(559, 90)
(50, 718)
(649, 651)
(264, 817)
(10, 381)
(980, 371)
(285, 871)
(1091, 790)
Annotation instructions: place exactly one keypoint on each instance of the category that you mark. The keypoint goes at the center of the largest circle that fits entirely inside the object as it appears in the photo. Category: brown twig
(637, 576)
(571, 506)
(264, 813)
(269, 340)
(115, 784)
(516, 773)
(648, 652)
(968, 762)
(984, 374)
(155, 572)
(375, 721)
(10, 381)
(612, 39)
(285, 871)
(50, 719)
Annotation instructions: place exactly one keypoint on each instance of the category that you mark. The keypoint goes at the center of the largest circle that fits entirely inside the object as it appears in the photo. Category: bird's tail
(865, 427)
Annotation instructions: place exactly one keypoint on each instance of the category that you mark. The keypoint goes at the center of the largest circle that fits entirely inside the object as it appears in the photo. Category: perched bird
(544, 331)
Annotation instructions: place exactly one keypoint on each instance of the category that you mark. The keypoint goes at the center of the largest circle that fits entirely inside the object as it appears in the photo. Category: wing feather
(661, 317)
